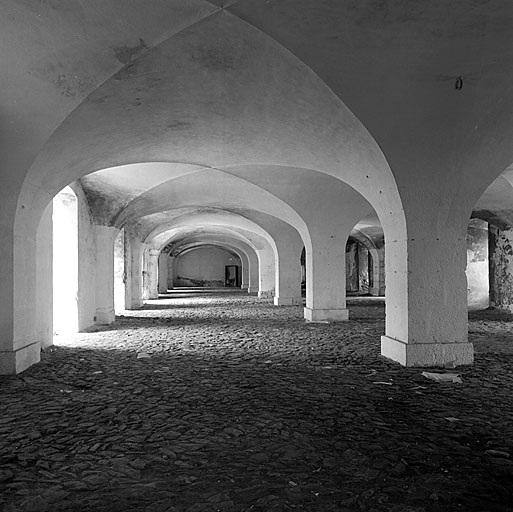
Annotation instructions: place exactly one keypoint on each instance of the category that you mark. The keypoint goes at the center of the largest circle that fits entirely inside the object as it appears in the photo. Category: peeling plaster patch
(127, 72)
(221, 56)
(100, 99)
(179, 125)
(127, 54)
(68, 84)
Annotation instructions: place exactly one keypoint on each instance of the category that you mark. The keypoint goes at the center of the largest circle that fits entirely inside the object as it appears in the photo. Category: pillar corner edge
(326, 315)
(427, 354)
(288, 301)
(17, 361)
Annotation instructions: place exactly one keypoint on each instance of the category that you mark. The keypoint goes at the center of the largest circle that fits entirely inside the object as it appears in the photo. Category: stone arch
(378, 261)
(333, 142)
(245, 251)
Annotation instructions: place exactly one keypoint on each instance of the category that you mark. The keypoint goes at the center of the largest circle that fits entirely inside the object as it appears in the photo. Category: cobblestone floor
(242, 406)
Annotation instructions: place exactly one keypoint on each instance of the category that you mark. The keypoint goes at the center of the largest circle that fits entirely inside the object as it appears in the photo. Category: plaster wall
(245, 252)
(477, 271)
(204, 267)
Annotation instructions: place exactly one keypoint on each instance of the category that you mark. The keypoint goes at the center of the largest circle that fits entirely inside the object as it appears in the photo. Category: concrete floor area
(242, 406)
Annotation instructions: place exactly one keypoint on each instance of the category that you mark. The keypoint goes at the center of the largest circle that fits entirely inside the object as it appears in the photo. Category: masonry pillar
(170, 272)
(150, 274)
(162, 272)
(326, 278)
(253, 273)
(133, 270)
(426, 298)
(288, 273)
(378, 272)
(245, 276)
(19, 344)
(105, 237)
(500, 250)
(363, 269)
(265, 273)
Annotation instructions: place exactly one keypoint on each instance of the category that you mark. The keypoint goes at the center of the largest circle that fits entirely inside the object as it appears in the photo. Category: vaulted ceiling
(165, 108)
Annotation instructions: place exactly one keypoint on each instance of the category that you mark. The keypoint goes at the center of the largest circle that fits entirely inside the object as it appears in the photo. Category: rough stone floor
(242, 406)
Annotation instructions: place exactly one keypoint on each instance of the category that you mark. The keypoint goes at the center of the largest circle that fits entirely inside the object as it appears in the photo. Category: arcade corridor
(242, 406)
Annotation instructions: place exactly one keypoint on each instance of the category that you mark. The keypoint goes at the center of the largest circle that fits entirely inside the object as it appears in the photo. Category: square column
(288, 270)
(326, 279)
(162, 272)
(150, 274)
(133, 270)
(105, 236)
(171, 261)
(266, 273)
(426, 301)
(378, 270)
(26, 325)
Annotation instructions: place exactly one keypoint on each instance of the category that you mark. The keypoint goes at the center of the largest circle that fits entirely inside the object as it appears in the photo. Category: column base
(288, 301)
(269, 294)
(104, 316)
(326, 315)
(16, 361)
(252, 290)
(427, 354)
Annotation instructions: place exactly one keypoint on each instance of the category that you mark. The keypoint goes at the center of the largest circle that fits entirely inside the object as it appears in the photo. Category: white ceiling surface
(286, 79)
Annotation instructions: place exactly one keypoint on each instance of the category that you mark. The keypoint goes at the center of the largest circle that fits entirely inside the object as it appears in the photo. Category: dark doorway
(231, 275)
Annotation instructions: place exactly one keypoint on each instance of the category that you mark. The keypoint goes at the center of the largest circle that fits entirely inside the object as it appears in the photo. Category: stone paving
(242, 406)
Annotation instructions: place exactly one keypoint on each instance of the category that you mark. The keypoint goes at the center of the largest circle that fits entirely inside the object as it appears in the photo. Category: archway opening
(477, 270)
(208, 267)
(65, 262)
